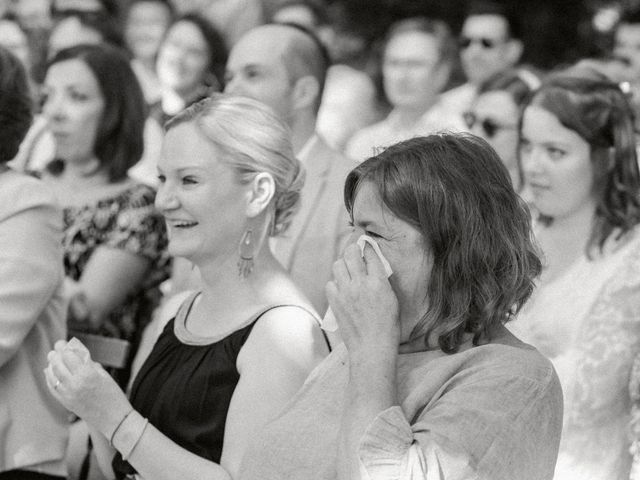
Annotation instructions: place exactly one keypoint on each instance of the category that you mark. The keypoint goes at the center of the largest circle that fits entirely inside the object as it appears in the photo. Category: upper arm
(282, 349)
(135, 241)
(30, 271)
(110, 276)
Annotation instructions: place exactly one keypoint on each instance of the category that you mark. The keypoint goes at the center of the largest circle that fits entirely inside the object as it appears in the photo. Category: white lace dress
(587, 322)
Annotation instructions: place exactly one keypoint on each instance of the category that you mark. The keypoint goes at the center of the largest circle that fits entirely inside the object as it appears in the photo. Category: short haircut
(119, 139)
(252, 139)
(16, 106)
(454, 189)
(306, 57)
(215, 43)
(316, 7)
(437, 28)
(594, 107)
(489, 7)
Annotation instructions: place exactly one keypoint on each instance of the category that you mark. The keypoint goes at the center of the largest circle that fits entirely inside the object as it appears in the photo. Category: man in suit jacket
(284, 66)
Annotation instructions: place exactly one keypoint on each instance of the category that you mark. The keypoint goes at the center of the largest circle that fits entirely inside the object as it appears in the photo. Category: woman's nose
(166, 199)
(53, 108)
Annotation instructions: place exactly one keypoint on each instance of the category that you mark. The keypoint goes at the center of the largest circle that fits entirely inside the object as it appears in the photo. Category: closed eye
(189, 180)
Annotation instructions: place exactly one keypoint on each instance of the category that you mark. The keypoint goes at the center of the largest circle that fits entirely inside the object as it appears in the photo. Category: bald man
(285, 66)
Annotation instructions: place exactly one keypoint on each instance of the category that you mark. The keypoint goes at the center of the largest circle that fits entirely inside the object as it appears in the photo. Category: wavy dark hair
(216, 45)
(16, 105)
(119, 140)
(453, 188)
(588, 103)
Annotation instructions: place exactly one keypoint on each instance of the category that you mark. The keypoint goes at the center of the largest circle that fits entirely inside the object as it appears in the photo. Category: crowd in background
(169, 162)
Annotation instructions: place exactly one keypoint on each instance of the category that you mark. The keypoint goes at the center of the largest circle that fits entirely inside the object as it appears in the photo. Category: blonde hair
(254, 140)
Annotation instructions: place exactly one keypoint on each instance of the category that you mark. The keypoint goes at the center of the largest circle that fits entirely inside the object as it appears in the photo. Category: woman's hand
(365, 306)
(84, 387)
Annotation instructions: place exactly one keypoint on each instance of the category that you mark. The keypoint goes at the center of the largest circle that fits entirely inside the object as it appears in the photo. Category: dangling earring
(245, 262)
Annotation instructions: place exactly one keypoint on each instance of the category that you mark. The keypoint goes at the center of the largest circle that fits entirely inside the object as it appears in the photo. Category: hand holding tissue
(329, 323)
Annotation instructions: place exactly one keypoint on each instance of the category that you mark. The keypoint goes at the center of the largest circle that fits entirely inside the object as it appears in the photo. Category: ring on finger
(55, 387)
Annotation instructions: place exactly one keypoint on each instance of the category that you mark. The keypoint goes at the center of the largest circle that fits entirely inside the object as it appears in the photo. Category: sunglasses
(489, 126)
(486, 43)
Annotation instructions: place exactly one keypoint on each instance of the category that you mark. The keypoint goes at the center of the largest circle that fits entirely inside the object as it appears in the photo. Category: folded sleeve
(496, 427)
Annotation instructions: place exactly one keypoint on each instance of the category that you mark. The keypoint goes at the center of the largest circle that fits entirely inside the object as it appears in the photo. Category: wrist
(129, 433)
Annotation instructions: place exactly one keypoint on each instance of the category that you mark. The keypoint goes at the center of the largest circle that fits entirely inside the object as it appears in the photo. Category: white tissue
(329, 323)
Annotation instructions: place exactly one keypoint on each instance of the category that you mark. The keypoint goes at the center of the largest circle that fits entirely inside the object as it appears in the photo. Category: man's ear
(514, 50)
(263, 187)
(305, 92)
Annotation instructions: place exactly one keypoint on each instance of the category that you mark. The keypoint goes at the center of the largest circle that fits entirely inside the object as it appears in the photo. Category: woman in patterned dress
(113, 238)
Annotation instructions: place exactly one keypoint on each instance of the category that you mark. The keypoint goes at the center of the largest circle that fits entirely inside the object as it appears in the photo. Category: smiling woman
(236, 352)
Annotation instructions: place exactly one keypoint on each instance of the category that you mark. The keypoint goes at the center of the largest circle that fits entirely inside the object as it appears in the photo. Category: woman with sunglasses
(579, 162)
(496, 112)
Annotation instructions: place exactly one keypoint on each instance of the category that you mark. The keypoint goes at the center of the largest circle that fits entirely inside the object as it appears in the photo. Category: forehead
(187, 32)
(487, 26)
(413, 44)
(154, 9)
(542, 125)
(198, 152)
(73, 72)
(262, 46)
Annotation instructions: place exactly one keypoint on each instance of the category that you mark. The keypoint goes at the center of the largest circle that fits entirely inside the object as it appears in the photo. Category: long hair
(454, 189)
(596, 109)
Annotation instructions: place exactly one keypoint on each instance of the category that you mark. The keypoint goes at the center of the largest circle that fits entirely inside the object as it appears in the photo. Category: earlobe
(262, 190)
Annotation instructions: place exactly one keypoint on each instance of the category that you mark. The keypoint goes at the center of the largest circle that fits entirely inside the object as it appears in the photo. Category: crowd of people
(192, 191)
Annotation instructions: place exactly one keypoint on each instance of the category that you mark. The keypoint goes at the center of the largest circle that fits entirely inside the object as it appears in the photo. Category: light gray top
(490, 412)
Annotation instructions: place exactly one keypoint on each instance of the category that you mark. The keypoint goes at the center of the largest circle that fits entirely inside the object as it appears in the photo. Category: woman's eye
(372, 234)
(555, 153)
(189, 181)
(78, 97)
(162, 178)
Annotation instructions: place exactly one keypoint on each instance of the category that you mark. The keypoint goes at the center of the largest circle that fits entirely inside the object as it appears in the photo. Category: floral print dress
(126, 221)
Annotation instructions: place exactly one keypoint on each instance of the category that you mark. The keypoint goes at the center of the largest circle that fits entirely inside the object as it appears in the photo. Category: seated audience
(579, 161)
(190, 65)
(495, 115)
(232, 18)
(33, 427)
(146, 23)
(285, 67)
(114, 241)
(237, 351)
(489, 43)
(428, 383)
(417, 61)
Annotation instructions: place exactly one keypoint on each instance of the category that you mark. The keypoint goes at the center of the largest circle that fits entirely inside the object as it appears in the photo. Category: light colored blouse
(491, 412)
(587, 322)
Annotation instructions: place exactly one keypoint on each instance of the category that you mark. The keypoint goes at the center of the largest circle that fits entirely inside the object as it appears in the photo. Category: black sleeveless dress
(185, 386)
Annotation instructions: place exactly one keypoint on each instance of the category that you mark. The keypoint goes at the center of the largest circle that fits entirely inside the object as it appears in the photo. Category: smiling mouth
(183, 224)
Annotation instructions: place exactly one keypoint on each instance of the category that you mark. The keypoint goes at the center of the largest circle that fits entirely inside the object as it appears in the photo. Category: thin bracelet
(135, 444)
(119, 425)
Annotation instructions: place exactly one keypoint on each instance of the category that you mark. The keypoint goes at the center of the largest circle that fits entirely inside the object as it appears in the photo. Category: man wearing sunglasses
(489, 43)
